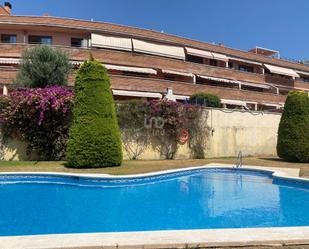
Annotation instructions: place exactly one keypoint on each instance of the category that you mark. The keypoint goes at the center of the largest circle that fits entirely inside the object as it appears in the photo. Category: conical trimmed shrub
(94, 138)
(293, 133)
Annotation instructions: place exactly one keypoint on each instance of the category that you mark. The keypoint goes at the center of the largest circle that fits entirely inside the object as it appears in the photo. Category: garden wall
(254, 133)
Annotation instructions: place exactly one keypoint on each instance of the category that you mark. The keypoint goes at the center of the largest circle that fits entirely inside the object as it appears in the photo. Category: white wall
(254, 133)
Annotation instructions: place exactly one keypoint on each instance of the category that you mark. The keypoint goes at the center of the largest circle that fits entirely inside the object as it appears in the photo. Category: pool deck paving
(164, 239)
(275, 237)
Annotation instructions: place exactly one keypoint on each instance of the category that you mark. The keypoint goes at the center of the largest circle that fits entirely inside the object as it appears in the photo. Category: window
(76, 42)
(8, 38)
(33, 39)
(252, 88)
(169, 77)
(305, 79)
(244, 68)
(194, 59)
(213, 62)
(231, 65)
(135, 74)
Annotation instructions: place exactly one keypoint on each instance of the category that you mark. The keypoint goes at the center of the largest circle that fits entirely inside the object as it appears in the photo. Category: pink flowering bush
(174, 120)
(39, 116)
(164, 125)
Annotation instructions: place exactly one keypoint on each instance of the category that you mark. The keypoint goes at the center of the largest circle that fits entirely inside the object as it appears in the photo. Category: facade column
(5, 90)
(25, 37)
(226, 64)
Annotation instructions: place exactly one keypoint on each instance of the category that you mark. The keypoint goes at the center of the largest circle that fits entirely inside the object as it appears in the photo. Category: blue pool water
(196, 199)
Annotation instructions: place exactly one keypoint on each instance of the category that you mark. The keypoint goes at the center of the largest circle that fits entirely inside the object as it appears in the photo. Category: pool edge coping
(288, 173)
(166, 238)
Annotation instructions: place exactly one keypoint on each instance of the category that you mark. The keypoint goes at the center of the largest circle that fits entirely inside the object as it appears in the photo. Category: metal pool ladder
(239, 160)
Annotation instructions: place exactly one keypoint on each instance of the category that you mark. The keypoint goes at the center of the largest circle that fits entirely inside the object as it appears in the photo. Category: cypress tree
(94, 138)
(293, 132)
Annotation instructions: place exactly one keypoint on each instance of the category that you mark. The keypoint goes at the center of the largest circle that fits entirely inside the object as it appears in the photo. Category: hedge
(205, 99)
(94, 138)
(293, 132)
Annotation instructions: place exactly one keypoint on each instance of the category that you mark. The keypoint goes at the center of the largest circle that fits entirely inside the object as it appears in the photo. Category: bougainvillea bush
(134, 134)
(176, 124)
(165, 125)
(41, 117)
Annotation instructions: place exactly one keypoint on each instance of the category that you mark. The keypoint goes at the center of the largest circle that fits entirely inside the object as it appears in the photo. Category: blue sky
(243, 24)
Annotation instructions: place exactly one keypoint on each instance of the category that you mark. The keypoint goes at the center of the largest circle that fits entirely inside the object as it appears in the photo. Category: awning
(158, 49)
(233, 102)
(287, 88)
(137, 94)
(274, 105)
(220, 57)
(206, 54)
(255, 85)
(14, 61)
(281, 70)
(130, 69)
(177, 73)
(219, 79)
(245, 61)
(105, 41)
(199, 53)
(303, 73)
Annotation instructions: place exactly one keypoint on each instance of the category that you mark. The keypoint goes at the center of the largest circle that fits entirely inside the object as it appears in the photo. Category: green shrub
(43, 66)
(293, 132)
(134, 135)
(205, 99)
(4, 102)
(94, 138)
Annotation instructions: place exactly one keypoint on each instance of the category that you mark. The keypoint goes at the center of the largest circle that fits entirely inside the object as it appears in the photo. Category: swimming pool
(33, 204)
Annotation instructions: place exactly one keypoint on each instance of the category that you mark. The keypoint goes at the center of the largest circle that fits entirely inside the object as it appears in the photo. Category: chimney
(8, 7)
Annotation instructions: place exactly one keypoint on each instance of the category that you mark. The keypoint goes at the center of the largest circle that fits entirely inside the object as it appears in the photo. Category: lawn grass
(143, 166)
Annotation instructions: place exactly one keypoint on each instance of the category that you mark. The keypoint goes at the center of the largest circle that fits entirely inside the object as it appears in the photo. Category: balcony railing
(278, 80)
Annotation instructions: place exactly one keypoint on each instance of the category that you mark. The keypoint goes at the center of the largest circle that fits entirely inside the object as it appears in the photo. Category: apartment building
(149, 64)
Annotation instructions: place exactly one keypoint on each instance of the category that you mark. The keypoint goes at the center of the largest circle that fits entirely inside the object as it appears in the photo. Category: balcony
(158, 85)
(142, 60)
(279, 80)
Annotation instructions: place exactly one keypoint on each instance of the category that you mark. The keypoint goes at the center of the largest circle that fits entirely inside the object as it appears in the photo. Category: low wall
(254, 133)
